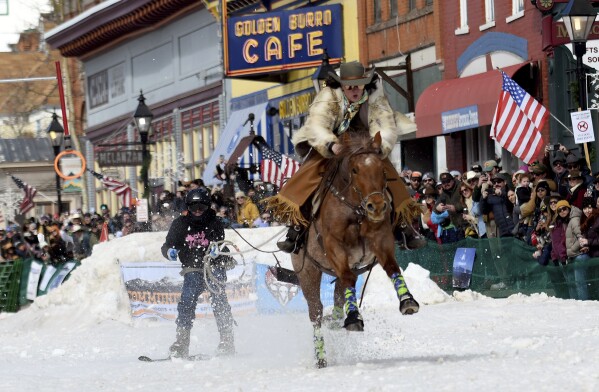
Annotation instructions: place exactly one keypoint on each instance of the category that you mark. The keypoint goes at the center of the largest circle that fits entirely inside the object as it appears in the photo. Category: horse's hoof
(354, 322)
(321, 363)
(408, 305)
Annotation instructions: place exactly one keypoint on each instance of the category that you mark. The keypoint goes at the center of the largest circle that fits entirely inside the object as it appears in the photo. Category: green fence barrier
(10, 274)
(503, 266)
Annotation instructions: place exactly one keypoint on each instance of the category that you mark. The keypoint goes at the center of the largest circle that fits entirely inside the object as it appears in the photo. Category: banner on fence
(154, 290)
(462, 267)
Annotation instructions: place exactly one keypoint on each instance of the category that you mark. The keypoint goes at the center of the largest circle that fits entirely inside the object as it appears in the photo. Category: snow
(80, 337)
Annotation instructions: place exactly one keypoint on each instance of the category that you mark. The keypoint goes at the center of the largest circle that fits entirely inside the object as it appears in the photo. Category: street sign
(120, 158)
(582, 126)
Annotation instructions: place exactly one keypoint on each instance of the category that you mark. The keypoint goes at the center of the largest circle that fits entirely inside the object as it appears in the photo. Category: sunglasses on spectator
(240, 197)
(429, 180)
(446, 181)
(553, 202)
(562, 209)
(359, 87)
(416, 179)
(465, 190)
(572, 166)
(558, 164)
(496, 181)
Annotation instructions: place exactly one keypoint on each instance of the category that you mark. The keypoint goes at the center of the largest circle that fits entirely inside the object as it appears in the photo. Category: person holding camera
(495, 199)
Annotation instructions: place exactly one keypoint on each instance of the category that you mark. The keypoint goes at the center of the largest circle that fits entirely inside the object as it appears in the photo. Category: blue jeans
(194, 285)
(580, 276)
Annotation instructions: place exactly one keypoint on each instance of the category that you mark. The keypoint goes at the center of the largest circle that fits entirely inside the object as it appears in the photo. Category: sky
(81, 337)
(22, 15)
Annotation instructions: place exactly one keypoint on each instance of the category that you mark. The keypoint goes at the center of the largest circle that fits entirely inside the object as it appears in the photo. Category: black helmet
(198, 196)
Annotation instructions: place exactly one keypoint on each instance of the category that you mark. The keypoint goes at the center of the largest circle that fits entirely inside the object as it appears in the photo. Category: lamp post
(322, 72)
(143, 119)
(56, 134)
(578, 17)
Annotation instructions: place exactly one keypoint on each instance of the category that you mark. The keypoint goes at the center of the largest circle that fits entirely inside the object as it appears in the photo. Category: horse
(350, 233)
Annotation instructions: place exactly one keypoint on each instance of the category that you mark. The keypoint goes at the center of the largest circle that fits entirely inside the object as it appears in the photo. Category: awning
(463, 103)
(234, 131)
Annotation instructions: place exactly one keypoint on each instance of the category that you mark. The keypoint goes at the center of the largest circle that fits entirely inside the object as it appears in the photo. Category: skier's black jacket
(192, 235)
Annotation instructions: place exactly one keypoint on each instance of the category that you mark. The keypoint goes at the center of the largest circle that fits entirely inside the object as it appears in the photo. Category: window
(517, 11)
(411, 5)
(428, 2)
(393, 8)
(517, 6)
(463, 28)
(377, 11)
(489, 15)
(489, 11)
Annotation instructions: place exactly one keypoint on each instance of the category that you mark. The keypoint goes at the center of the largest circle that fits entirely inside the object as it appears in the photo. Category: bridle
(361, 209)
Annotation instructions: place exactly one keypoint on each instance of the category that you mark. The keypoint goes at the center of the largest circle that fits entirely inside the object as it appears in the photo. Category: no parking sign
(582, 126)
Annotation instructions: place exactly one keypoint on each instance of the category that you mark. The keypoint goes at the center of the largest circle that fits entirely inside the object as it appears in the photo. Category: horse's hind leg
(309, 278)
(335, 320)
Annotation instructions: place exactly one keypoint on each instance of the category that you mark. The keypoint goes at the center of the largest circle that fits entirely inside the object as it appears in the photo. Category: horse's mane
(352, 143)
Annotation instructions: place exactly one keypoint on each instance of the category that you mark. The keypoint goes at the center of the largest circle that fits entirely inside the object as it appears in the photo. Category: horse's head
(367, 177)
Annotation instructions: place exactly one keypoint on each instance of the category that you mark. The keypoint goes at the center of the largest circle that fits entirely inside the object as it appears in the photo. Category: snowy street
(80, 338)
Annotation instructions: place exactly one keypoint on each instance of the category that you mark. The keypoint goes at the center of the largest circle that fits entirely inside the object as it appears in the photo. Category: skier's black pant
(193, 286)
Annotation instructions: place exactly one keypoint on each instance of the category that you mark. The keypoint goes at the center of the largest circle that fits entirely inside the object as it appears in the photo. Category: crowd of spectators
(551, 205)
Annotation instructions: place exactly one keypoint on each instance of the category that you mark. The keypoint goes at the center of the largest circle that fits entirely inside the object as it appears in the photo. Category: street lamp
(322, 72)
(143, 119)
(579, 17)
(56, 134)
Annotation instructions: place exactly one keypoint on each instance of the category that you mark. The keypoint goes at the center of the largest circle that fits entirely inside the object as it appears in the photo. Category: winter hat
(430, 191)
(588, 202)
(446, 177)
(538, 168)
(416, 174)
(489, 165)
(427, 176)
(563, 203)
(471, 175)
(573, 158)
(455, 173)
(476, 168)
(239, 194)
(544, 185)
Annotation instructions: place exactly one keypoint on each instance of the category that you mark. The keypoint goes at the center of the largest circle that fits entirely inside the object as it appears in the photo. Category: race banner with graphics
(154, 290)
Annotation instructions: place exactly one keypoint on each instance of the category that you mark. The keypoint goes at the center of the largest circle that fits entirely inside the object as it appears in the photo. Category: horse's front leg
(386, 255)
(346, 284)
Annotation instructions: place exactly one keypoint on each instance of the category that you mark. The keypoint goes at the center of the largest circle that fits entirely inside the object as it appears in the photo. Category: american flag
(120, 188)
(30, 192)
(276, 167)
(518, 121)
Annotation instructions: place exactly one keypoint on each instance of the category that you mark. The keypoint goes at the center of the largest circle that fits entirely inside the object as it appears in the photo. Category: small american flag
(30, 192)
(121, 189)
(518, 121)
(276, 167)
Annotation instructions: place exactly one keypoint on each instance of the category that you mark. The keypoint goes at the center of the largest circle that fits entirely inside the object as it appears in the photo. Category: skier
(188, 239)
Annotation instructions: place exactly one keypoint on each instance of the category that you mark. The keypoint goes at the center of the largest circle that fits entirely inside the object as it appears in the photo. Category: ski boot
(180, 349)
(226, 346)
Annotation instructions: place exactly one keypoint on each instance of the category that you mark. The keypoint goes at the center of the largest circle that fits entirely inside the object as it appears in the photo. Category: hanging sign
(283, 40)
(582, 126)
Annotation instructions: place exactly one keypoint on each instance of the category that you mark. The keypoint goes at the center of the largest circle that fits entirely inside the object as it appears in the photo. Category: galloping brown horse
(351, 232)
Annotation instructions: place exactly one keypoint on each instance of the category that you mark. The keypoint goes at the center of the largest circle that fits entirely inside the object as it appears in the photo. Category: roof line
(82, 16)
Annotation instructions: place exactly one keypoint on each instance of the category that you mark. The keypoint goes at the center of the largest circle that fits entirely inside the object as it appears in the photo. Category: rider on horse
(352, 98)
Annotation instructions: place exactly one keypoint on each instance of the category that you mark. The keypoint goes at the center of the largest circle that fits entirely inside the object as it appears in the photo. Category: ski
(196, 357)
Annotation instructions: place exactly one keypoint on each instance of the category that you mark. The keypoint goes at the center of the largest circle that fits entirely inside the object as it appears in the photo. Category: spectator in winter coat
(247, 211)
(452, 199)
(559, 250)
(495, 200)
(427, 227)
(576, 188)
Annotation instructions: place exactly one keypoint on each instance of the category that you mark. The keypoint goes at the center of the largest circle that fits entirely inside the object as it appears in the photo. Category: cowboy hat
(352, 74)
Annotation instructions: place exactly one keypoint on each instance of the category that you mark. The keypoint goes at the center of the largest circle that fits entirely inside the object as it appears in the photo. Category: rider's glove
(172, 254)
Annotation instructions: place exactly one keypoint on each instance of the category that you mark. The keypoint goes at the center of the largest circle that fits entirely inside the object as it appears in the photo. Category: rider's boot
(226, 346)
(180, 349)
(294, 240)
(408, 237)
